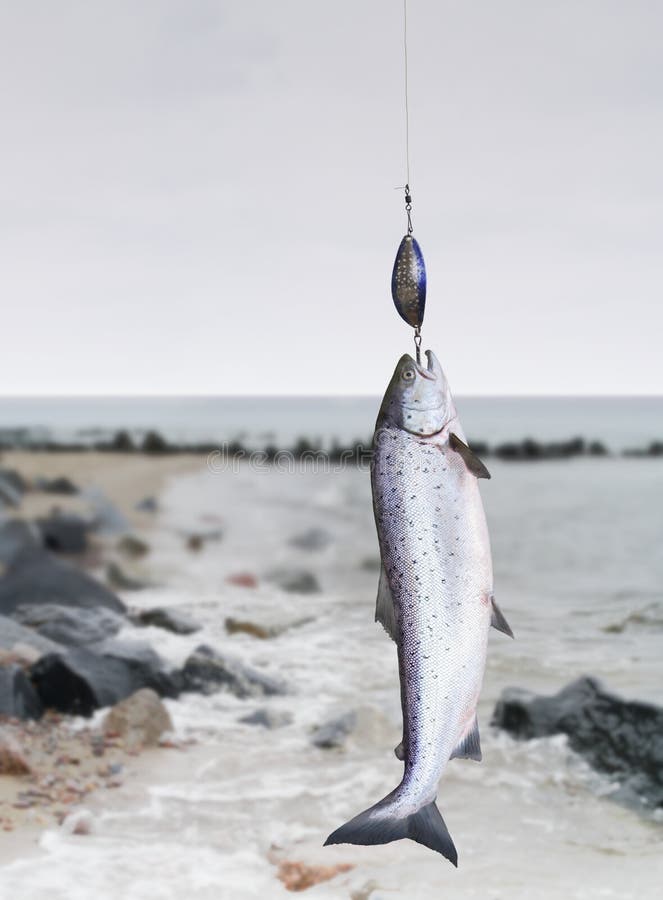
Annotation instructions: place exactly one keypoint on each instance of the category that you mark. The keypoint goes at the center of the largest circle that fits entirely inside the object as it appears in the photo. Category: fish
(435, 597)
(408, 282)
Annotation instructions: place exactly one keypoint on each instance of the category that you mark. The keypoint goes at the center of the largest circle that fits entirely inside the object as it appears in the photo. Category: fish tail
(377, 826)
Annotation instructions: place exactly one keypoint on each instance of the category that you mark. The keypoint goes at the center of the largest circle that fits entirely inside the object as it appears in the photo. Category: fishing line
(408, 279)
(407, 104)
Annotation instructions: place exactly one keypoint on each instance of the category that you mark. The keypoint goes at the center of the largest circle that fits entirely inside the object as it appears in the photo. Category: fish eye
(408, 374)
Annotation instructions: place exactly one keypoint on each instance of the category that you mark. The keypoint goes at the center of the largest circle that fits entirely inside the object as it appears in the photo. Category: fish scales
(434, 597)
(435, 547)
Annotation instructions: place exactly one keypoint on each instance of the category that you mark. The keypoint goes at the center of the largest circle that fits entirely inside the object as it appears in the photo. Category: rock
(235, 626)
(16, 535)
(34, 576)
(140, 720)
(9, 496)
(272, 626)
(133, 547)
(294, 581)
(196, 540)
(153, 442)
(168, 619)
(80, 680)
(16, 638)
(18, 698)
(332, 734)
(67, 625)
(120, 581)
(207, 671)
(146, 666)
(14, 478)
(12, 760)
(148, 504)
(243, 579)
(650, 616)
(60, 485)
(79, 822)
(619, 737)
(298, 876)
(311, 540)
(108, 519)
(64, 532)
(268, 718)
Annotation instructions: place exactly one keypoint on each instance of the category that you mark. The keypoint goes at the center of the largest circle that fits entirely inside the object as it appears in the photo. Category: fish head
(418, 398)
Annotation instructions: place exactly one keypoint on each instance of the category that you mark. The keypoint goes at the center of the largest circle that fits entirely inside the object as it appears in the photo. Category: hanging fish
(408, 282)
(435, 597)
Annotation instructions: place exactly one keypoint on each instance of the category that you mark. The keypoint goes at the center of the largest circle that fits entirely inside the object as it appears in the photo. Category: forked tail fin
(426, 826)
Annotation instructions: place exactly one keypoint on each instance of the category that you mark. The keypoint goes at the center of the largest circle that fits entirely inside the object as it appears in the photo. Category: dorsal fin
(469, 457)
(384, 606)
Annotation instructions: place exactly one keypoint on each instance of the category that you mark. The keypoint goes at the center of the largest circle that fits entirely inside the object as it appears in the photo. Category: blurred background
(197, 233)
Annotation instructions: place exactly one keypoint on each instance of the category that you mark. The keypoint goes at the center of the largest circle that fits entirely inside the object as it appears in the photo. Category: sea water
(620, 422)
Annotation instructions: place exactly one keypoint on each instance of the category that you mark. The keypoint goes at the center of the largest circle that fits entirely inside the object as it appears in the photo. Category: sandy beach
(69, 760)
(126, 478)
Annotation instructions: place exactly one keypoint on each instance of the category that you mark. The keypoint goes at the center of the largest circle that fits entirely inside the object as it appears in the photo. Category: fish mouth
(428, 372)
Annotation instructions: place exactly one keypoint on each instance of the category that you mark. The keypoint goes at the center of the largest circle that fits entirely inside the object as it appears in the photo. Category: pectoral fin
(471, 460)
(384, 606)
(470, 746)
(498, 621)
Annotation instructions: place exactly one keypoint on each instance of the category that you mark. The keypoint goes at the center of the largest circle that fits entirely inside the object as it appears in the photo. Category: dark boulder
(312, 540)
(67, 625)
(267, 718)
(622, 738)
(14, 478)
(294, 580)
(144, 663)
(168, 619)
(16, 535)
(207, 671)
(80, 680)
(18, 697)
(60, 485)
(64, 532)
(34, 576)
(9, 496)
(148, 505)
(332, 734)
(13, 634)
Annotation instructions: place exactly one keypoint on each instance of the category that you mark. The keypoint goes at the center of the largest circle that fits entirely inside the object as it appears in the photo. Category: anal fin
(469, 747)
(384, 606)
(497, 619)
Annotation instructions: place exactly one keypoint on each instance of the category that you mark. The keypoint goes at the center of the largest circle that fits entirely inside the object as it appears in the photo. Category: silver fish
(435, 597)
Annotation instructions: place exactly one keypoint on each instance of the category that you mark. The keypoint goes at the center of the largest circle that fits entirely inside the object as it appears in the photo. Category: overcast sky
(199, 196)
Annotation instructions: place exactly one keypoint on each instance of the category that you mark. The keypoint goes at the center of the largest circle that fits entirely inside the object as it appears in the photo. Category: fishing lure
(408, 282)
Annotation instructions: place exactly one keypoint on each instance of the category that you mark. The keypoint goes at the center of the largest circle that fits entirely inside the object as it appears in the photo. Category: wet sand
(125, 478)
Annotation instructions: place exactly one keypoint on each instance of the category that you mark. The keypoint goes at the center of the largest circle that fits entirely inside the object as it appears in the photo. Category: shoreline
(72, 765)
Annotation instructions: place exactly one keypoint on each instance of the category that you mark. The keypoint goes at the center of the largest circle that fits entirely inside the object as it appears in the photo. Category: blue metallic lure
(408, 282)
